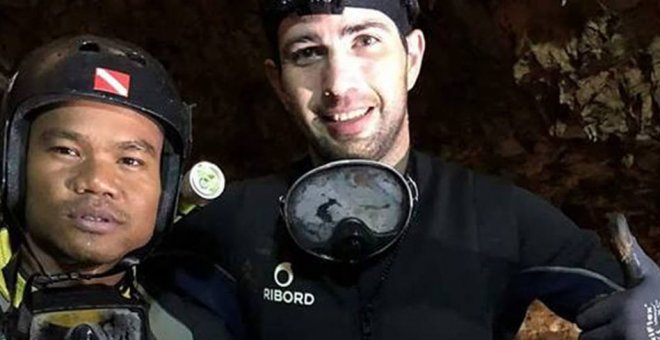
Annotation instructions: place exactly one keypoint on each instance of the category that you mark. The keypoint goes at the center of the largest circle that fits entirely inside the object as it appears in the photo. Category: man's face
(345, 80)
(93, 182)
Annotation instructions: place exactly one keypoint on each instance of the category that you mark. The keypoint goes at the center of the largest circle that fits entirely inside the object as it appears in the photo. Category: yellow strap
(5, 248)
(69, 319)
(18, 294)
(5, 257)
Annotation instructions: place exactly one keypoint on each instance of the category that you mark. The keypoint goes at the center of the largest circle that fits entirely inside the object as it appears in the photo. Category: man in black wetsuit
(464, 265)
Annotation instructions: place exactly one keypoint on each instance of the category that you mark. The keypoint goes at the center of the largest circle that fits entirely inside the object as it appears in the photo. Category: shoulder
(493, 203)
(239, 201)
(454, 179)
(250, 191)
(189, 295)
(266, 187)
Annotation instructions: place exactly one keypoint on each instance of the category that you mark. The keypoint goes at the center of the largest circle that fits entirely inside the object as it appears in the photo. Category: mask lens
(88, 324)
(363, 203)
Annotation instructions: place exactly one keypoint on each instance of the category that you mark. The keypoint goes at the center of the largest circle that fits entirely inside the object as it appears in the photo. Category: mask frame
(349, 211)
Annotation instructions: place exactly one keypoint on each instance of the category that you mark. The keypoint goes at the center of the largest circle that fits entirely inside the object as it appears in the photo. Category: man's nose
(96, 176)
(339, 79)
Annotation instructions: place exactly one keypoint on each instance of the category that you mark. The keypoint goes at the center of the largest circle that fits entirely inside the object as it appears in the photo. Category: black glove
(633, 314)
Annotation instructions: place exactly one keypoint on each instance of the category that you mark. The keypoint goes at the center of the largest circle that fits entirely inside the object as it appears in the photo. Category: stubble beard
(68, 257)
(375, 147)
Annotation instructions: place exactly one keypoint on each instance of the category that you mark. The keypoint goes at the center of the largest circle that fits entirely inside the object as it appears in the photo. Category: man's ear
(416, 47)
(273, 73)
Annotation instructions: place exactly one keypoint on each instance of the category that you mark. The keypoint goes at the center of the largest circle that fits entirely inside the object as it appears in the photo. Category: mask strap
(367, 303)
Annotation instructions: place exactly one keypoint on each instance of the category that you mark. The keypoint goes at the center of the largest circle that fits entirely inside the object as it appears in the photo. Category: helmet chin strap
(122, 266)
(42, 277)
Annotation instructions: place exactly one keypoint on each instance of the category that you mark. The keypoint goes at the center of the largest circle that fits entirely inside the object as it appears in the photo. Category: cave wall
(562, 100)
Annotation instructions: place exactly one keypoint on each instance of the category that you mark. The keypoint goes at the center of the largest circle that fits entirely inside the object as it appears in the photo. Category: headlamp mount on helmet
(319, 6)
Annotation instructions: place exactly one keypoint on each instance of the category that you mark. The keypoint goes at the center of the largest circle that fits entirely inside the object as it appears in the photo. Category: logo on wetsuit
(283, 277)
(652, 319)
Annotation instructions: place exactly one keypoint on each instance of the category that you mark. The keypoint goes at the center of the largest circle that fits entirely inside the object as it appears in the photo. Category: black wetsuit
(477, 252)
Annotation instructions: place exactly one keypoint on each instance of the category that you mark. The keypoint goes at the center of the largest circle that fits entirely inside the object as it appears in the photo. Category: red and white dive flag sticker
(110, 81)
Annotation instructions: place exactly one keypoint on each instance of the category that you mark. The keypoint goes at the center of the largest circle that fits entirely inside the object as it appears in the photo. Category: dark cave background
(561, 100)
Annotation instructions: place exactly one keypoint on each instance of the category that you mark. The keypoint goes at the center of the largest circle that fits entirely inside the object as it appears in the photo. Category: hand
(633, 314)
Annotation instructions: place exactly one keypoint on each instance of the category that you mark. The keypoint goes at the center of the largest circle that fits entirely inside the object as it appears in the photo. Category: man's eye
(366, 40)
(307, 55)
(131, 162)
(66, 151)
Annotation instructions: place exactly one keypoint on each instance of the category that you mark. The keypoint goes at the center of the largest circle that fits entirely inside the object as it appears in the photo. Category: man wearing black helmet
(459, 256)
(94, 143)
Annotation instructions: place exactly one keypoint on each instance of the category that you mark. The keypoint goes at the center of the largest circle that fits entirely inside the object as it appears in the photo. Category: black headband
(398, 10)
(402, 12)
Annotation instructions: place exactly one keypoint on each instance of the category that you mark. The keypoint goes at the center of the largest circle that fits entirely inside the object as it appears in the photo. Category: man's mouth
(341, 124)
(345, 116)
(95, 220)
(92, 218)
